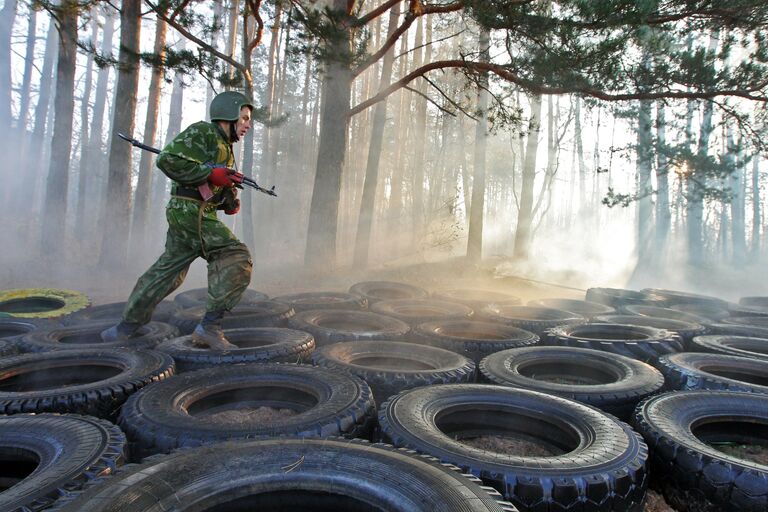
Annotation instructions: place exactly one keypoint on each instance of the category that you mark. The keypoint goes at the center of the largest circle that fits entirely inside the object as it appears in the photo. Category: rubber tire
(604, 469)
(761, 302)
(199, 296)
(452, 335)
(266, 313)
(692, 475)
(617, 297)
(582, 308)
(67, 301)
(262, 345)
(301, 474)
(685, 330)
(445, 367)
(99, 398)
(158, 421)
(744, 346)
(418, 311)
(113, 312)
(678, 297)
(697, 370)
(323, 300)
(760, 322)
(533, 319)
(70, 451)
(374, 291)
(712, 314)
(737, 330)
(13, 328)
(666, 313)
(632, 381)
(474, 298)
(379, 327)
(148, 336)
(643, 343)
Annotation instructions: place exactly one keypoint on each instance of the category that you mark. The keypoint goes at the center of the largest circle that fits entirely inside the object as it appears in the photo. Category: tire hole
(31, 305)
(252, 403)
(746, 440)
(56, 376)
(16, 464)
(306, 501)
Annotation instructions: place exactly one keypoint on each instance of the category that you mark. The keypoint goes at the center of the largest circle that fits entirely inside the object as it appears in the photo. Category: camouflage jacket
(184, 159)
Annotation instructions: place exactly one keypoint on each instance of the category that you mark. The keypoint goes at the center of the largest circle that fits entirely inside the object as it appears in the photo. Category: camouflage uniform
(193, 228)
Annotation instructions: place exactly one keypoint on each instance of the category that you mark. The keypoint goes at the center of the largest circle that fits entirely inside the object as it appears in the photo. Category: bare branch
(449, 100)
(363, 20)
(430, 100)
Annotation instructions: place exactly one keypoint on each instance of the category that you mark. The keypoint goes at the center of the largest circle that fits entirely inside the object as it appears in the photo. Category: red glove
(221, 177)
(234, 210)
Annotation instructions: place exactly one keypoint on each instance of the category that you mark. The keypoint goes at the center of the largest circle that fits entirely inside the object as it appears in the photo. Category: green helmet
(226, 106)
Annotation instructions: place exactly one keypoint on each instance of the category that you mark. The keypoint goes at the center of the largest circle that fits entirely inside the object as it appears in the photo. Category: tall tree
(7, 17)
(55, 210)
(117, 208)
(85, 143)
(525, 212)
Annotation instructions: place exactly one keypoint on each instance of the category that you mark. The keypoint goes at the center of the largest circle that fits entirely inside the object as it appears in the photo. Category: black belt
(190, 193)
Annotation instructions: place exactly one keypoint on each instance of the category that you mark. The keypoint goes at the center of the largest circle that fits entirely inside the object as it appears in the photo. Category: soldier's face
(243, 124)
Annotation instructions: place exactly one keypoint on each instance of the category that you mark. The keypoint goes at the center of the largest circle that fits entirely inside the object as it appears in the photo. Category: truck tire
(374, 291)
(46, 456)
(265, 313)
(289, 474)
(86, 336)
(418, 311)
(533, 319)
(197, 408)
(613, 383)
(199, 296)
(390, 367)
(598, 462)
(333, 325)
(472, 339)
(475, 298)
(583, 308)
(685, 330)
(697, 370)
(323, 300)
(682, 429)
(41, 302)
(255, 345)
(113, 312)
(744, 346)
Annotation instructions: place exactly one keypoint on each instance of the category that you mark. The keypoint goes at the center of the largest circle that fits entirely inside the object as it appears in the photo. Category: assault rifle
(204, 189)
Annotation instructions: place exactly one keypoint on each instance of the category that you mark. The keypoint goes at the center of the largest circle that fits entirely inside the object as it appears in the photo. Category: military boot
(208, 332)
(120, 332)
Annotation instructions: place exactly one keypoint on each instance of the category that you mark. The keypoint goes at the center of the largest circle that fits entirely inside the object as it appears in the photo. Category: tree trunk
(738, 224)
(756, 213)
(26, 81)
(55, 208)
(644, 204)
(581, 199)
(320, 251)
(524, 216)
(475, 237)
(663, 216)
(418, 225)
(7, 17)
(144, 185)
(371, 180)
(695, 200)
(85, 143)
(117, 210)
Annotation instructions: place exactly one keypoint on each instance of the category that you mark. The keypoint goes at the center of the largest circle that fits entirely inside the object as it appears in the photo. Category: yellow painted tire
(41, 302)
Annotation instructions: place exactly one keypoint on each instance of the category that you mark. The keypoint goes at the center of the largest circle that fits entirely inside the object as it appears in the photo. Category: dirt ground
(654, 502)
(754, 453)
(509, 445)
(259, 415)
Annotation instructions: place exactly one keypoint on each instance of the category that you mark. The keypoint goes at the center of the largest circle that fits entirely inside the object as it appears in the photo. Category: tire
(289, 474)
(474, 298)
(374, 291)
(760, 302)
(199, 296)
(599, 464)
(391, 367)
(747, 321)
(678, 297)
(667, 313)
(113, 312)
(46, 456)
(418, 311)
(737, 330)
(11, 329)
(693, 475)
(711, 313)
(323, 300)
(472, 339)
(536, 320)
(266, 313)
(255, 345)
(686, 330)
(634, 341)
(617, 297)
(696, 370)
(90, 382)
(577, 307)
(86, 336)
(744, 346)
(610, 382)
(41, 302)
(333, 325)
(180, 412)
(737, 310)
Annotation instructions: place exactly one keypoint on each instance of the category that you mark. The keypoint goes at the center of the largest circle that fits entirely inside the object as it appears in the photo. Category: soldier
(200, 154)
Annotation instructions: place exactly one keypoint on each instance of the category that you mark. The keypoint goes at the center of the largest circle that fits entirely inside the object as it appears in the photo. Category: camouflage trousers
(193, 231)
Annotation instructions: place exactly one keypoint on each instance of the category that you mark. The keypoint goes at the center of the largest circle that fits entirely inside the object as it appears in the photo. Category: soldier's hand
(220, 177)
